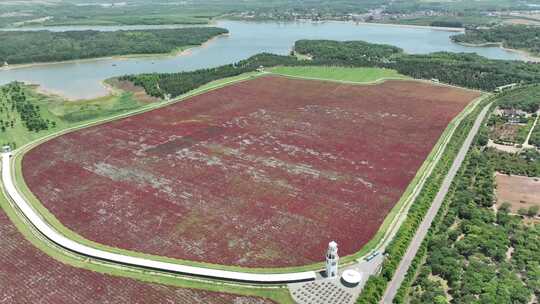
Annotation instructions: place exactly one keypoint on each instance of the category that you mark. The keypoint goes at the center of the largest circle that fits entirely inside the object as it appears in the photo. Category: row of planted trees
(15, 100)
(473, 254)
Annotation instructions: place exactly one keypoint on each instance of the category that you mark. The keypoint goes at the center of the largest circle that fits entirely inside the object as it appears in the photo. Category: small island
(23, 47)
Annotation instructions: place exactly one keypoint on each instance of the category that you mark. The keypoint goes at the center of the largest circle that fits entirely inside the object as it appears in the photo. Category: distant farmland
(262, 173)
(30, 276)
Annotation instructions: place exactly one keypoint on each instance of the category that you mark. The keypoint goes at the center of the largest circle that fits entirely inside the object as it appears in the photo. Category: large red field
(263, 173)
(29, 276)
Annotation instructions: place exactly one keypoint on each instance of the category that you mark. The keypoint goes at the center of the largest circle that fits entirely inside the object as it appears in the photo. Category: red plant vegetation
(261, 173)
(29, 276)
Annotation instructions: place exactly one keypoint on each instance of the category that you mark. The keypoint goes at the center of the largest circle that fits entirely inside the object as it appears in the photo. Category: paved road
(401, 271)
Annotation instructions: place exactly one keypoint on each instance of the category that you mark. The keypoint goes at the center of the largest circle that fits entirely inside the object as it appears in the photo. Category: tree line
(525, 163)
(521, 37)
(526, 99)
(174, 84)
(376, 285)
(463, 69)
(46, 46)
(14, 100)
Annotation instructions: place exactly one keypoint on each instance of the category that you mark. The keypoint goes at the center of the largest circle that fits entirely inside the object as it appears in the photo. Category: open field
(228, 179)
(30, 276)
(339, 73)
(518, 191)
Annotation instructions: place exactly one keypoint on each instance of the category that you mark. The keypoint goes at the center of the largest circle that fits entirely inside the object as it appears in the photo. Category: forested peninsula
(19, 47)
(466, 70)
(519, 37)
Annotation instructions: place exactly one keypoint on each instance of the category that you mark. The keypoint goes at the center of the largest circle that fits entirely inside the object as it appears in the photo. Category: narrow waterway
(82, 79)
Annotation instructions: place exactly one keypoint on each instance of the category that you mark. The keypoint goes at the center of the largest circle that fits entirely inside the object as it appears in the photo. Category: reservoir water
(82, 79)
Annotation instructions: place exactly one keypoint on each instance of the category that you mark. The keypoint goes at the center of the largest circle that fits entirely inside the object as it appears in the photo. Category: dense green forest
(353, 53)
(447, 23)
(46, 46)
(525, 163)
(526, 99)
(466, 70)
(477, 255)
(174, 84)
(520, 37)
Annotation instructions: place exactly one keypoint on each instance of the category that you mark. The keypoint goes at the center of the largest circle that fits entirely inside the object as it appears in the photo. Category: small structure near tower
(332, 260)
(351, 278)
(6, 149)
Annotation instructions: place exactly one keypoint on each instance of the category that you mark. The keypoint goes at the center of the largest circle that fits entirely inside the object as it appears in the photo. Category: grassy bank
(344, 74)
(63, 113)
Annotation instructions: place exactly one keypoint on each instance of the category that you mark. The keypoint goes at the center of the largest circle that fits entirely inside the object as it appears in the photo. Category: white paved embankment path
(56, 237)
(422, 231)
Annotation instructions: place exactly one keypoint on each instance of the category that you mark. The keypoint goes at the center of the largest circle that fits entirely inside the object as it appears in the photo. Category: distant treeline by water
(461, 69)
(520, 37)
(46, 46)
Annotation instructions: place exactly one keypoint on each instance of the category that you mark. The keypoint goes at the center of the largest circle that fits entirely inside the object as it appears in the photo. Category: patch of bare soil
(518, 191)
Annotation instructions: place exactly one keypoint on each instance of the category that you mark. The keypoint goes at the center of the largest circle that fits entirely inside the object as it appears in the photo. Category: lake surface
(82, 79)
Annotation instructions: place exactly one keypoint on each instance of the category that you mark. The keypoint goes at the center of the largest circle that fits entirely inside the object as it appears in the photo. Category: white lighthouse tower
(332, 260)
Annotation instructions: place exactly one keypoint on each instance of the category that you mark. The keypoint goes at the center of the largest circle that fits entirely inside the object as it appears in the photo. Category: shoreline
(173, 53)
(527, 56)
(413, 26)
(55, 94)
(111, 90)
(438, 28)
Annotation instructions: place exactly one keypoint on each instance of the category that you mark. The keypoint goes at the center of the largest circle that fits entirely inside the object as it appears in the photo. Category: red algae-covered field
(29, 276)
(262, 173)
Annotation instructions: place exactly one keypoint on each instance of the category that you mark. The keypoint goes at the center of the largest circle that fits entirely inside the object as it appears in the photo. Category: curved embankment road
(422, 231)
(56, 237)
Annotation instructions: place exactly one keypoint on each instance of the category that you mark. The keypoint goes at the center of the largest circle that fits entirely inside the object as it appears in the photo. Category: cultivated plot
(263, 173)
(30, 276)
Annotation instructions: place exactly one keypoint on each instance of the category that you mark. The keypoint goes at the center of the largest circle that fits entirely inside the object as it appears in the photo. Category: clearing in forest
(520, 192)
(262, 173)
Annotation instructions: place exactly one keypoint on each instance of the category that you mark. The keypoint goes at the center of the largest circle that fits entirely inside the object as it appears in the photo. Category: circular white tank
(351, 277)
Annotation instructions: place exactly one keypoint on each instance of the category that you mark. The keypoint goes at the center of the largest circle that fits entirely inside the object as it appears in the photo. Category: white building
(332, 260)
